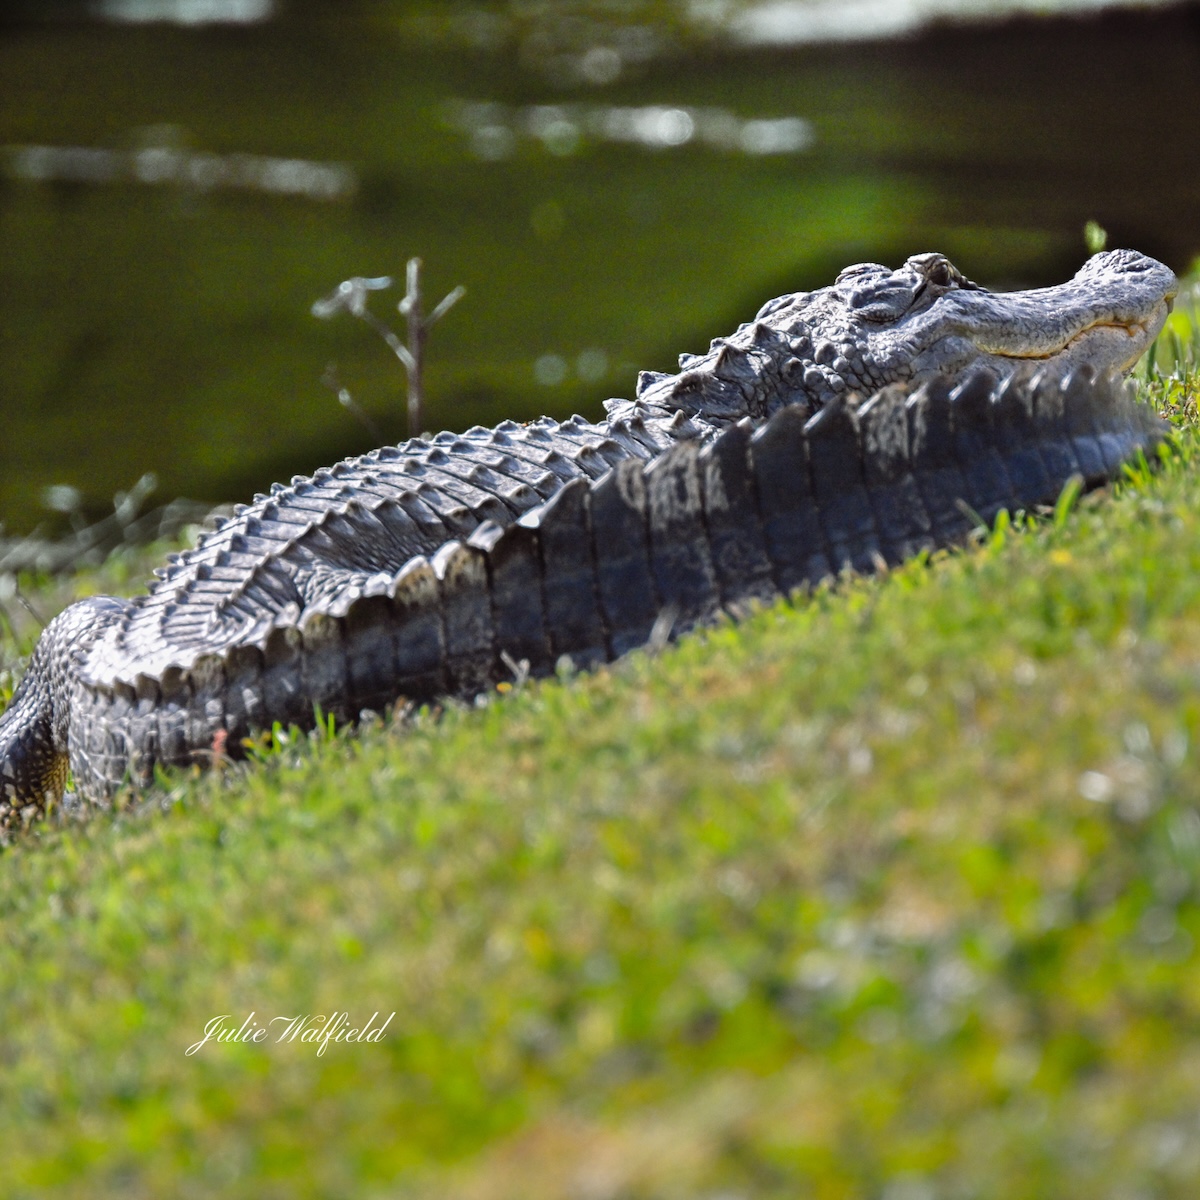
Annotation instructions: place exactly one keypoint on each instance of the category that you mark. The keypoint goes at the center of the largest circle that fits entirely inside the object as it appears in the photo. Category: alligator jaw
(1116, 345)
(1106, 317)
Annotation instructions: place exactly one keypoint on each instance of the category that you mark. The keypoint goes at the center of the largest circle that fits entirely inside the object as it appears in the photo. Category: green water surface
(166, 328)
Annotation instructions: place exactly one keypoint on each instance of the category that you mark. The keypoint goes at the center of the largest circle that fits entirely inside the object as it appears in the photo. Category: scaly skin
(873, 327)
(229, 636)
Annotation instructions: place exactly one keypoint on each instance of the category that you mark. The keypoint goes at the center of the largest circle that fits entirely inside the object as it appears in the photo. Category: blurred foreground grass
(893, 893)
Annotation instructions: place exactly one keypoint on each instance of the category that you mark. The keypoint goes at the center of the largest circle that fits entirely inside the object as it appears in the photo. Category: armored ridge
(701, 529)
(282, 606)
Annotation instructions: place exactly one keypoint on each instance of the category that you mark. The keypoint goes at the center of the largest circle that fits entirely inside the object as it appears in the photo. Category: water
(799, 22)
(174, 197)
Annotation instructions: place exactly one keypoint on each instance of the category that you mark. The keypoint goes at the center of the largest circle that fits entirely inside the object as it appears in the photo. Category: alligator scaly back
(422, 570)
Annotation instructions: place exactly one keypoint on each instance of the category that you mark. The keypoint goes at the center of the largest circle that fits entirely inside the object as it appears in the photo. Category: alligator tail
(33, 728)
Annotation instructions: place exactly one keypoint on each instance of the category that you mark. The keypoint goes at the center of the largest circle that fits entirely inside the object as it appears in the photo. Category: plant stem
(417, 332)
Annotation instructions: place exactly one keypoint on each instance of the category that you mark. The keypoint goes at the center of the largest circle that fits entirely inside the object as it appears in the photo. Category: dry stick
(351, 296)
(24, 603)
(346, 400)
(410, 307)
(418, 330)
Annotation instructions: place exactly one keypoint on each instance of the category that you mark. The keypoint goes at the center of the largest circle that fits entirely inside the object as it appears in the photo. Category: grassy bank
(892, 893)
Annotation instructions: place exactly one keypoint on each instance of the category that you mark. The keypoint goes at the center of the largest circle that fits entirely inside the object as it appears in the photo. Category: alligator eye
(942, 274)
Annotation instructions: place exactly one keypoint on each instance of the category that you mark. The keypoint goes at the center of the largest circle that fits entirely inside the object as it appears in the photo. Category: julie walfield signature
(319, 1030)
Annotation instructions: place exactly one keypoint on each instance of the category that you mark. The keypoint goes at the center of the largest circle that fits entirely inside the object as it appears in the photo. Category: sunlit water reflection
(163, 165)
(796, 22)
(185, 12)
(495, 131)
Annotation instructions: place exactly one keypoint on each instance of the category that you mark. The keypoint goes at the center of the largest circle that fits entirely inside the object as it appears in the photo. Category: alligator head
(874, 326)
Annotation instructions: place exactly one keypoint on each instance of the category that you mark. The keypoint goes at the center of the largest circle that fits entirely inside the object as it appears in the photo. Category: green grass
(892, 893)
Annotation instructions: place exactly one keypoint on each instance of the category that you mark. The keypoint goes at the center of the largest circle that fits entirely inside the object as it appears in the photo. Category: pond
(174, 196)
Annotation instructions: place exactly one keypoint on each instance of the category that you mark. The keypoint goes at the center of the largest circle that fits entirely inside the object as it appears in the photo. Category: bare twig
(351, 296)
(333, 383)
(519, 669)
(126, 525)
(660, 633)
(410, 307)
(23, 601)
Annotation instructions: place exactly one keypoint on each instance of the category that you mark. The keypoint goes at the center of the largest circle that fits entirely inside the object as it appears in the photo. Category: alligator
(846, 428)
